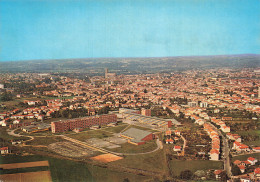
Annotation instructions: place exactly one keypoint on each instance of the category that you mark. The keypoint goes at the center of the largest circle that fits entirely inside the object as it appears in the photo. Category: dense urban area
(185, 125)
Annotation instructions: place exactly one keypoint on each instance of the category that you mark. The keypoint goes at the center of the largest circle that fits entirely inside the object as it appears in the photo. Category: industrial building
(84, 122)
(159, 122)
(136, 136)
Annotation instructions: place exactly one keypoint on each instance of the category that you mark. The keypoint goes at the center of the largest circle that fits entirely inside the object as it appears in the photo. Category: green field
(130, 148)
(61, 170)
(178, 166)
(249, 132)
(116, 129)
(54, 97)
(252, 133)
(152, 162)
(44, 140)
(106, 175)
(42, 133)
(83, 136)
(5, 136)
(142, 128)
(12, 104)
(254, 143)
(54, 119)
(244, 157)
(24, 170)
(70, 171)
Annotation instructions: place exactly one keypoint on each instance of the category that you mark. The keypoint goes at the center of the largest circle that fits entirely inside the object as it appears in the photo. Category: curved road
(159, 146)
(158, 142)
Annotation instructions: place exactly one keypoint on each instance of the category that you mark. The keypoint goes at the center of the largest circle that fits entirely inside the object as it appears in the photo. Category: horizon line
(132, 57)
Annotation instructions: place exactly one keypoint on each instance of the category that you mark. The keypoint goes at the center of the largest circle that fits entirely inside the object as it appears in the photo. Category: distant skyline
(62, 29)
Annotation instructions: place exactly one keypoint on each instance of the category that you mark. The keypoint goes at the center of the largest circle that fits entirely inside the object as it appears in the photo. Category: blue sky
(56, 29)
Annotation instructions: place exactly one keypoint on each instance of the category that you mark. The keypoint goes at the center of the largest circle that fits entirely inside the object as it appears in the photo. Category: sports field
(40, 176)
(24, 165)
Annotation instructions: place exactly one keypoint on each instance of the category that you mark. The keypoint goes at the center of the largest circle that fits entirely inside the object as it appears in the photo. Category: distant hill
(132, 65)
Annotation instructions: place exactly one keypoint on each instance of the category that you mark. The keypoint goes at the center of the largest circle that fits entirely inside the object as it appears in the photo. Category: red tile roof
(251, 159)
(236, 162)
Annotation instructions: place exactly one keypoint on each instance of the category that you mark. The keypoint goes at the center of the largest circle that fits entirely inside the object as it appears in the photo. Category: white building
(225, 128)
(203, 104)
(192, 104)
(4, 150)
(214, 155)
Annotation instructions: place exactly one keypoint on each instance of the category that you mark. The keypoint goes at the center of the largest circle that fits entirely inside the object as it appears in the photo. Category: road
(95, 148)
(184, 145)
(225, 151)
(158, 142)
(11, 132)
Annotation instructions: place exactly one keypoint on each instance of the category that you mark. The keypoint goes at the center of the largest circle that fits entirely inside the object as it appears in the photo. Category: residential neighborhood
(196, 115)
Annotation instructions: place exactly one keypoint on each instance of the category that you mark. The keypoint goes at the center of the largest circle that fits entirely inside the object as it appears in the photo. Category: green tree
(126, 180)
(235, 170)
(223, 176)
(186, 174)
(6, 96)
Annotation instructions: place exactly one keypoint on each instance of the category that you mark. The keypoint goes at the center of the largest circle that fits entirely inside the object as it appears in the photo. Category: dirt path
(184, 145)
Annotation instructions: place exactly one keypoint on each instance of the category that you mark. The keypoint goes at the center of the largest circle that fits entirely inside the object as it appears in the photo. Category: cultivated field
(40, 176)
(178, 166)
(61, 170)
(106, 158)
(24, 165)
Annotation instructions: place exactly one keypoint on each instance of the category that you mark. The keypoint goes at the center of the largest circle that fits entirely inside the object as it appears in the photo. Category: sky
(59, 29)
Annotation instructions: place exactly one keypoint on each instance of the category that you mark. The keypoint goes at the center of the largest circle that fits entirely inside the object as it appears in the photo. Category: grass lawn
(254, 143)
(106, 175)
(5, 136)
(130, 148)
(244, 157)
(250, 132)
(24, 170)
(54, 119)
(116, 129)
(54, 97)
(12, 103)
(15, 103)
(83, 136)
(152, 162)
(42, 133)
(193, 165)
(44, 140)
(142, 128)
